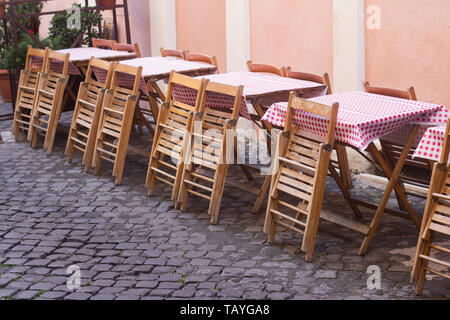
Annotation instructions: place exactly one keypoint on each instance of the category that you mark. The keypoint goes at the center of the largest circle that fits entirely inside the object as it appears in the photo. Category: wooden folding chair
(436, 221)
(170, 142)
(113, 134)
(103, 43)
(26, 93)
(139, 119)
(212, 139)
(202, 58)
(391, 150)
(88, 107)
(342, 162)
(303, 160)
(49, 97)
(264, 68)
(132, 48)
(180, 54)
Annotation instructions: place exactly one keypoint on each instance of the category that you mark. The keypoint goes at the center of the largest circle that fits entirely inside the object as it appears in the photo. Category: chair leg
(217, 193)
(184, 194)
(177, 182)
(259, 201)
(96, 161)
(32, 134)
(150, 180)
(273, 229)
(421, 268)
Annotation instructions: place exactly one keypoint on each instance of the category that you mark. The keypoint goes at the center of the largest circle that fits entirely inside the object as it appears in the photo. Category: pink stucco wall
(201, 28)
(412, 48)
(293, 32)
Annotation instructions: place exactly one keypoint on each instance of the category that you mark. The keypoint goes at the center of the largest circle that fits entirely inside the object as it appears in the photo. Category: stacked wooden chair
(139, 119)
(88, 107)
(265, 68)
(26, 93)
(49, 97)
(212, 141)
(297, 188)
(342, 162)
(113, 133)
(435, 222)
(198, 57)
(172, 132)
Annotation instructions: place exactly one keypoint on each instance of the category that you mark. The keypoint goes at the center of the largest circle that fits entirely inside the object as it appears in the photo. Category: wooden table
(363, 118)
(159, 68)
(80, 56)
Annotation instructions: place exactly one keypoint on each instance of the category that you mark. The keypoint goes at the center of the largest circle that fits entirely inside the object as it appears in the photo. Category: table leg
(344, 167)
(151, 99)
(344, 189)
(265, 124)
(393, 184)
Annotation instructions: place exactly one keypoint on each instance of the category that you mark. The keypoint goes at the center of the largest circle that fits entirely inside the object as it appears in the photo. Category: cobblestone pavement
(132, 246)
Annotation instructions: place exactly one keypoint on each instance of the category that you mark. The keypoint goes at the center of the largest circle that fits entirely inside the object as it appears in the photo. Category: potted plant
(89, 25)
(105, 3)
(5, 87)
(7, 52)
(2, 8)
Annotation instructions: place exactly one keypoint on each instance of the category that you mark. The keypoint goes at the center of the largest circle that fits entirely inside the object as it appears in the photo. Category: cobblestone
(132, 246)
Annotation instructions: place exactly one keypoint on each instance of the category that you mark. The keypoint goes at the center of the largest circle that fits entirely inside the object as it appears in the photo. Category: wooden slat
(345, 222)
(297, 193)
(285, 216)
(440, 228)
(297, 184)
(442, 263)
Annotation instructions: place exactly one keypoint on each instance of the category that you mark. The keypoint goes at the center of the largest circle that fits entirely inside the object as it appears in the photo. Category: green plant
(30, 23)
(89, 25)
(8, 58)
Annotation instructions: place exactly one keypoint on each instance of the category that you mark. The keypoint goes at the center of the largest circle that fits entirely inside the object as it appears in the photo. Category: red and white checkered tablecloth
(158, 68)
(431, 144)
(362, 117)
(155, 68)
(263, 88)
(55, 65)
(78, 55)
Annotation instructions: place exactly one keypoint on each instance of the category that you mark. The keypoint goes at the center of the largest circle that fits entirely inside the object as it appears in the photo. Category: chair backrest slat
(409, 94)
(201, 58)
(103, 43)
(180, 54)
(325, 79)
(264, 68)
(132, 48)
